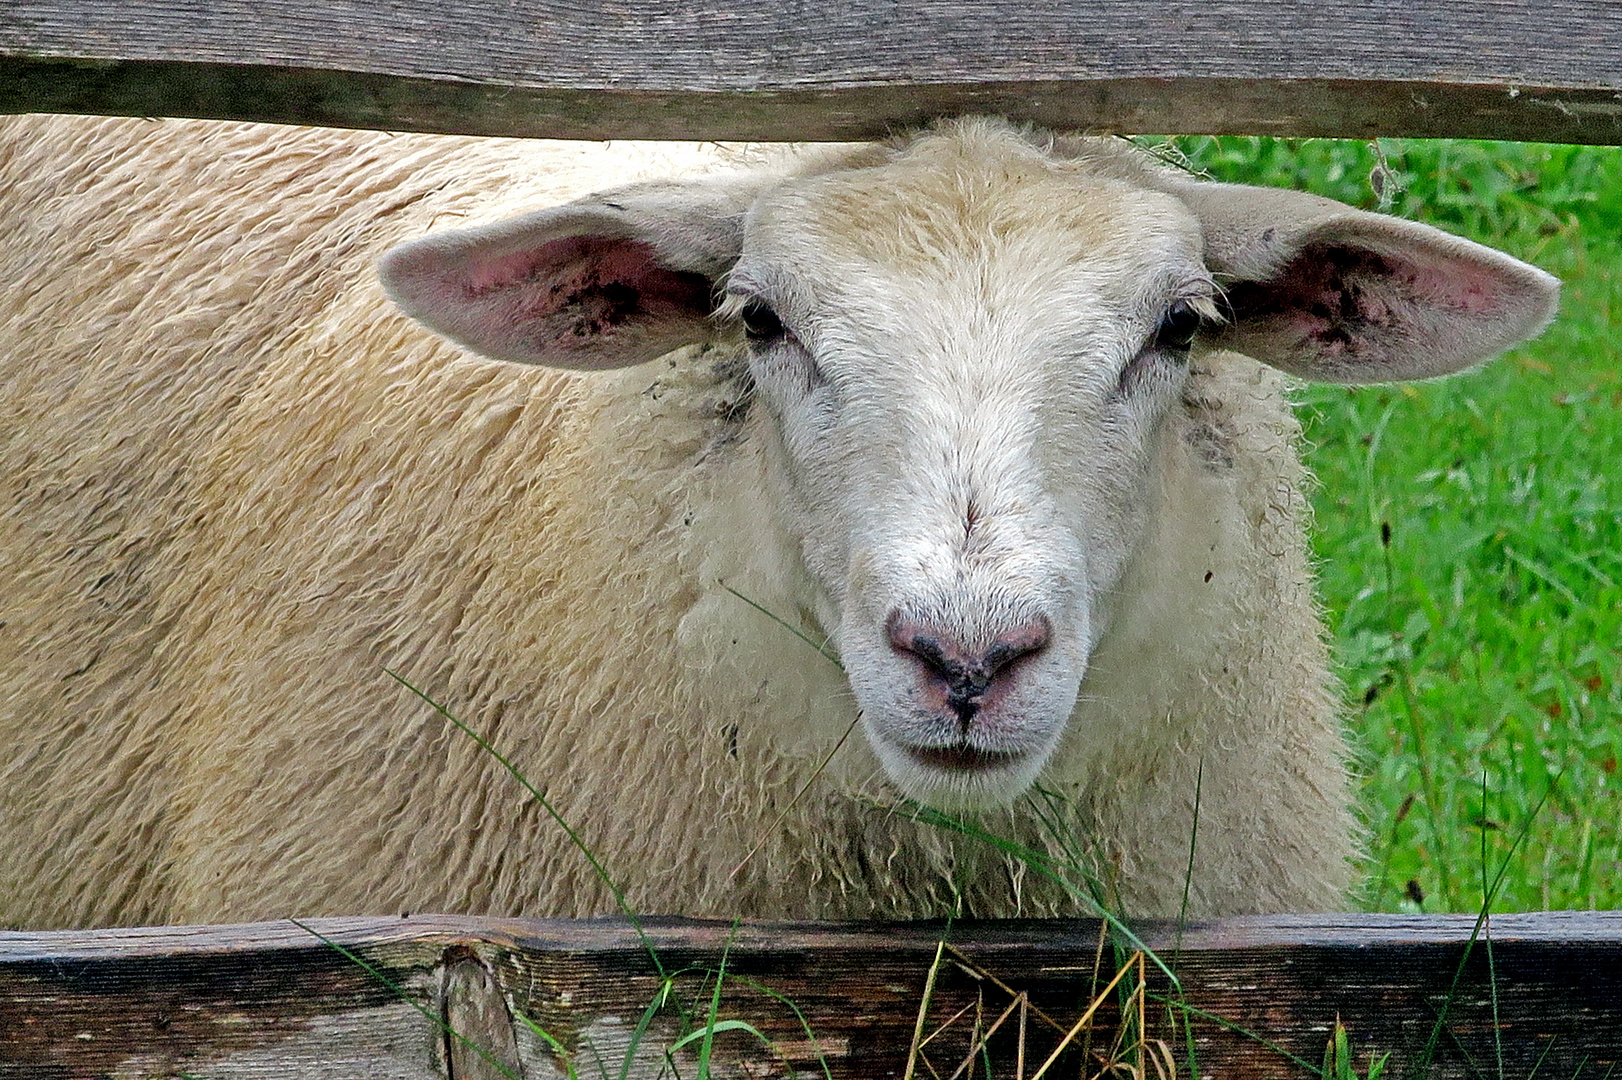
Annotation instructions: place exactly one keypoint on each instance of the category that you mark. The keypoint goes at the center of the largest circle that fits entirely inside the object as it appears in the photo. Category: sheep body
(240, 487)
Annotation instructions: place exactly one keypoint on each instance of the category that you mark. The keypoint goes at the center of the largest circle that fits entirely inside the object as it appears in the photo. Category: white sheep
(983, 443)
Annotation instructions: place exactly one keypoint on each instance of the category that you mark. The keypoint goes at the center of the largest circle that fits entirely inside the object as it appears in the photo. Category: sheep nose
(966, 675)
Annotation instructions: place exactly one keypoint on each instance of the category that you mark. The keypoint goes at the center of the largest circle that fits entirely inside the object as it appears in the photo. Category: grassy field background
(1470, 538)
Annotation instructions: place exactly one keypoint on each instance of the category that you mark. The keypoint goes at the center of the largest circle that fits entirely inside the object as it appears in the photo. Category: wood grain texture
(275, 999)
(831, 69)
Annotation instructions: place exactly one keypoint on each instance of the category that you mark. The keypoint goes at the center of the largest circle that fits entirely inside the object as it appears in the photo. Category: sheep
(952, 438)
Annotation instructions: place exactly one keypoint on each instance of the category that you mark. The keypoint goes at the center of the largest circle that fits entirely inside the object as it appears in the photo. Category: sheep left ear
(1335, 294)
(611, 280)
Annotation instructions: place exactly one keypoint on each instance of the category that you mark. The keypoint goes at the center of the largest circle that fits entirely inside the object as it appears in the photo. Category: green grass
(1485, 639)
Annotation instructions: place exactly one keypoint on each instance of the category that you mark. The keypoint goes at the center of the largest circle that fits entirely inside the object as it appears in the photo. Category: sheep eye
(760, 322)
(1176, 331)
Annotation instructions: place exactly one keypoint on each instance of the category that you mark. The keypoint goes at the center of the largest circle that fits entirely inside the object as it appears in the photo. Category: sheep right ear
(611, 280)
(1332, 293)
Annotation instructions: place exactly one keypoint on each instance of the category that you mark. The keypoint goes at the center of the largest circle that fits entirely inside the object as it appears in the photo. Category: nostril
(909, 637)
(1016, 644)
(967, 671)
(934, 654)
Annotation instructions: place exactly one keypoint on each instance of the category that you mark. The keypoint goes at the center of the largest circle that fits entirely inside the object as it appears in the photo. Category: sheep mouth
(963, 758)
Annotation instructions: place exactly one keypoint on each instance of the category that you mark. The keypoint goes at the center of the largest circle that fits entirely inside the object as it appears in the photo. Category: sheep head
(967, 346)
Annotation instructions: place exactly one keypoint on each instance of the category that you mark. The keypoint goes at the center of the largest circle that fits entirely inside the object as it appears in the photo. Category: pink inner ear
(1337, 300)
(581, 287)
(578, 301)
(603, 258)
(1473, 290)
(489, 273)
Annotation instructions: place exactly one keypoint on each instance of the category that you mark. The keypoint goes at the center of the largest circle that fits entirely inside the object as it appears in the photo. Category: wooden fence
(831, 69)
(367, 998)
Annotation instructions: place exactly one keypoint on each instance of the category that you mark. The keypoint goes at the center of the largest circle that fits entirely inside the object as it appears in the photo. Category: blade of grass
(1019, 1063)
(660, 1000)
(805, 1025)
(546, 804)
(923, 1011)
(707, 1046)
(1140, 1045)
(1182, 916)
(1188, 871)
(981, 1041)
(1229, 1025)
(818, 771)
(1550, 1046)
(1049, 811)
(976, 969)
(1405, 690)
(1082, 1021)
(774, 617)
(1475, 933)
(596, 1055)
(1544, 574)
(760, 841)
(1092, 983)
(1390, 849)
(1043, 865)
(718, 1027)
(945, 1025)
(556, 1047)
(1492, 969)
(1453, 1039)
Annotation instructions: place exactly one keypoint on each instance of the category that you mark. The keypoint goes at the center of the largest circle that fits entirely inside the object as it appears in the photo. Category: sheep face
(968, 362)
(968, 347)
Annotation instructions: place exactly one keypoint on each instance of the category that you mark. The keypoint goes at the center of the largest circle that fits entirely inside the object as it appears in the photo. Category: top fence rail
(831, 69)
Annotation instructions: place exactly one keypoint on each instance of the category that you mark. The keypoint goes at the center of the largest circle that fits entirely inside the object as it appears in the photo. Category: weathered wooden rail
(281, 999)
(831, 69)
